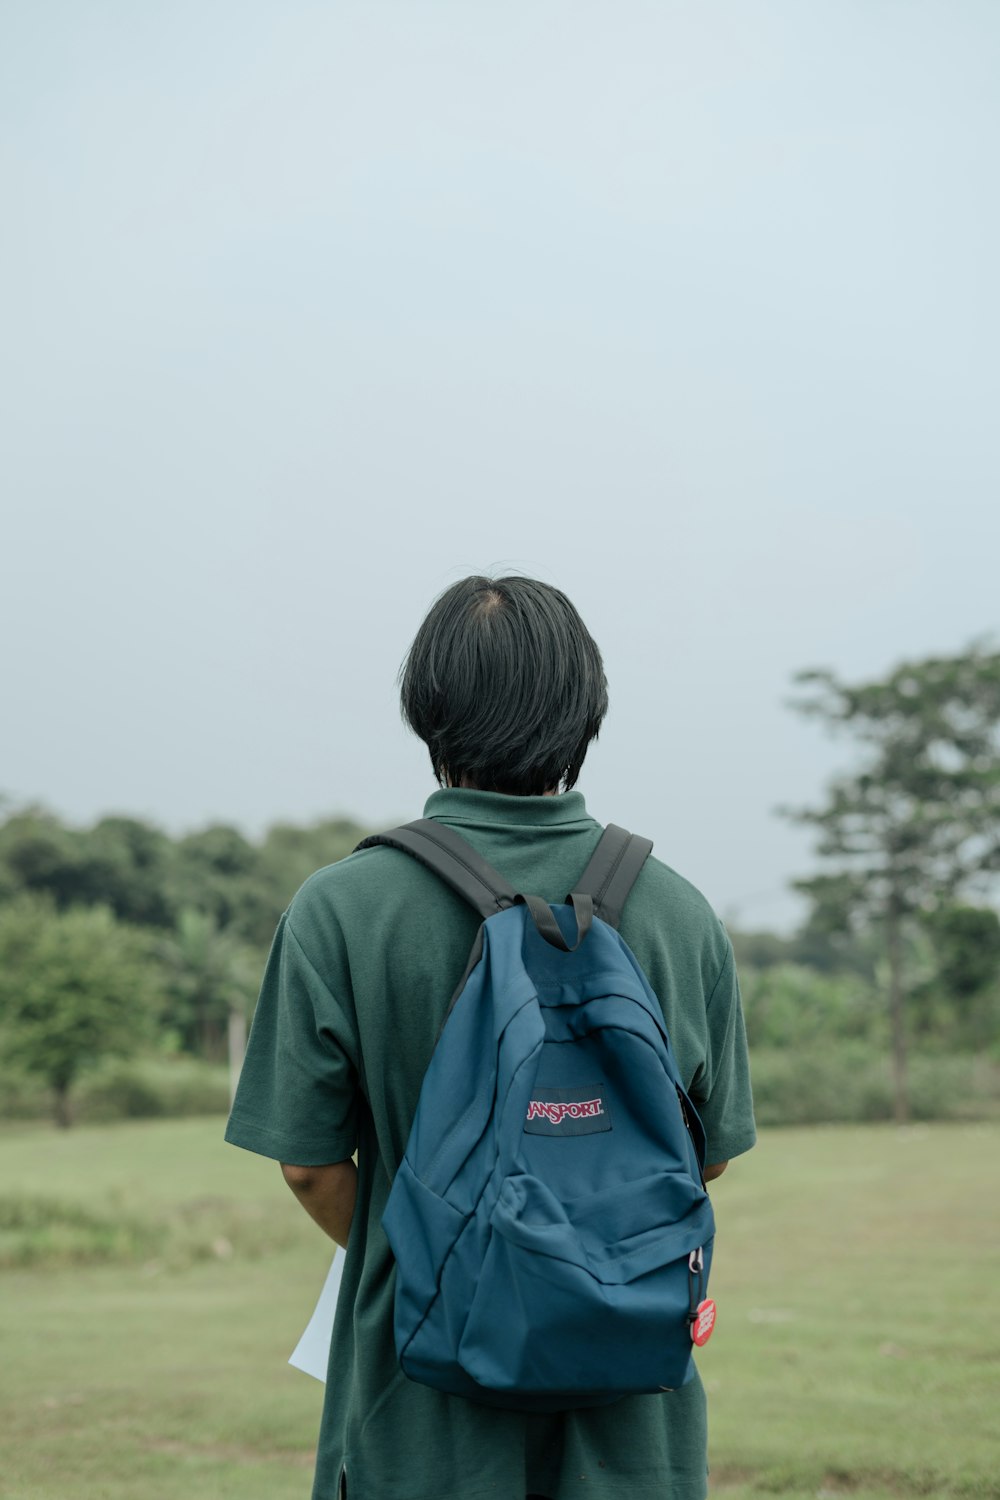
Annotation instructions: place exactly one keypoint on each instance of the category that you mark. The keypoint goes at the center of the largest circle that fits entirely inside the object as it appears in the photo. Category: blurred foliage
(153, 1087)
(849, 1081)
(123, 952)
(952, 958)
(826, 952)
(117, 938)
(208, 971)
(920, 817)
(966, 942)
(915, 828)
(74, 987)
(147, 878)
(791, 1006)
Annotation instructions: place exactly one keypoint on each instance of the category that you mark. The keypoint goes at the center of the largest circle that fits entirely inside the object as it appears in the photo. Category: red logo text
(584, 1109)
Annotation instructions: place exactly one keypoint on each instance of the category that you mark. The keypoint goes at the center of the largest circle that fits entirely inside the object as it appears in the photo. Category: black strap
(612, 872)
(453, 859)
(548, 927)
(601, 890)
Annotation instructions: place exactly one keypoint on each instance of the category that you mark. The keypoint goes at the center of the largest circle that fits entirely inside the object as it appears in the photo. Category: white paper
(312, 1352)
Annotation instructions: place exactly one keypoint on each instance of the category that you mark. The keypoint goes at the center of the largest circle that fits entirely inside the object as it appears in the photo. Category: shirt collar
(459, 804)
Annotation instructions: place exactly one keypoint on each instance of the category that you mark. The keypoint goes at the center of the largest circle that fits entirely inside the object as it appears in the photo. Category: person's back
(361, 974)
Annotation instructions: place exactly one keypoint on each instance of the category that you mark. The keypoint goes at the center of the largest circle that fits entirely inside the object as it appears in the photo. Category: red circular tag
(704, 1322)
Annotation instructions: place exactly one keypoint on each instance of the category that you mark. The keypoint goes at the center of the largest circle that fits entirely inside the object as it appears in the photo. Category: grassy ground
(859, 1334)
(857, 1352)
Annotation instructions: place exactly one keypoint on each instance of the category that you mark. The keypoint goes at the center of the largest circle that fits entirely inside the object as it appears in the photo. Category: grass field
(858, 1349)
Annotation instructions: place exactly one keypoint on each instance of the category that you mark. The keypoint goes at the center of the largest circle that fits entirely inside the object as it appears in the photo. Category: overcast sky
(311, 309)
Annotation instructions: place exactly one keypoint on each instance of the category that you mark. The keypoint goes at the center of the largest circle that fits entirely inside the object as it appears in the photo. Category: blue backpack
(549, 1220)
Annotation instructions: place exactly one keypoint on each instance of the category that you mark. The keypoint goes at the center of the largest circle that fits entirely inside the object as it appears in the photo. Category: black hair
(505, 686)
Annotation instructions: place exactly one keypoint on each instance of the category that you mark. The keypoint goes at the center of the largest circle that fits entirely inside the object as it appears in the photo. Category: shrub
(812, 1086)
(150, 1087)
(792, 1006)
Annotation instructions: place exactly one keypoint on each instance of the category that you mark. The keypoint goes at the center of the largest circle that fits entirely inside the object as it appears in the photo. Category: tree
(74, 987)
(126, 865)
(959, 1000)
(967, 945)
(121, 862)
(217, 871)
(210, 974)
(918, 823)
(37, 853)
(148, 878)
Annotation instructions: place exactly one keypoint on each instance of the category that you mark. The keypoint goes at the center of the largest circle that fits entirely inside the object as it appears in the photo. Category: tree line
(119, 937)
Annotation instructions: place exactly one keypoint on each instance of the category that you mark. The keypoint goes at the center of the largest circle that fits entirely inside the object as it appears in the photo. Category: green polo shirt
(361, 970)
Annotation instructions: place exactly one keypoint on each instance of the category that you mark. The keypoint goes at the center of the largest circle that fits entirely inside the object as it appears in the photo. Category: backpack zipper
(687, 1127)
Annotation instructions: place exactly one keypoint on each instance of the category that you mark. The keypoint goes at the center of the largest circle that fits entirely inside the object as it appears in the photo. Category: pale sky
(310, 309)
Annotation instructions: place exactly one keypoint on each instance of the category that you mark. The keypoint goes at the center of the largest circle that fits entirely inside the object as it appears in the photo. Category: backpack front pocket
(426, 1227)
(592, 1294)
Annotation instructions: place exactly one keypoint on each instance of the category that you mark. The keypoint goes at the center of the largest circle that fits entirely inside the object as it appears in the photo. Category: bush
(142, 1089)
(792, 1006)
(954, 1087)
(812, 1086)
(148, 1088)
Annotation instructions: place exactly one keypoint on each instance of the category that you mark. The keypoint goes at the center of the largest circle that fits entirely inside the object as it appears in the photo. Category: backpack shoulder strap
(453, 859)
(612, 872)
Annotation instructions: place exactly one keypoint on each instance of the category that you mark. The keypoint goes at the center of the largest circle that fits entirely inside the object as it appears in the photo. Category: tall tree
(38, 853)
(918, 823)
(75, 987)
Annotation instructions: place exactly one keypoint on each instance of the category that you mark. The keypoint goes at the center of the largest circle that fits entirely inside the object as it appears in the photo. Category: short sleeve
(297, 1098)
(723, 1098)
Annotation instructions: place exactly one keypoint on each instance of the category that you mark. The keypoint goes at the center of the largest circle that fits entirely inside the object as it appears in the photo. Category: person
(506, 687)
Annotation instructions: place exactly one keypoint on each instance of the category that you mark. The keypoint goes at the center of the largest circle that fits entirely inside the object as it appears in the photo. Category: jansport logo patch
(582, 1110)
(541, 1109)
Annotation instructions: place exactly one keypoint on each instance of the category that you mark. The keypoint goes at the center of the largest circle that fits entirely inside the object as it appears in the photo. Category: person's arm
(326, 1193)
(721, 1090)
(297, 1097)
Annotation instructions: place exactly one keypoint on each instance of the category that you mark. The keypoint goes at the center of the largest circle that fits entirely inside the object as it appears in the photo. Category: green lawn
(858, 1348)
(859, 1335)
